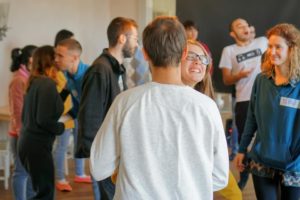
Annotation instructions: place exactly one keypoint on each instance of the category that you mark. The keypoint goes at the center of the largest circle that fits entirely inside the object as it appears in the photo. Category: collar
(292, 82)
(116, 66)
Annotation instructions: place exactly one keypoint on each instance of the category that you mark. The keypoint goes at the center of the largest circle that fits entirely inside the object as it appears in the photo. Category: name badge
(289, 102)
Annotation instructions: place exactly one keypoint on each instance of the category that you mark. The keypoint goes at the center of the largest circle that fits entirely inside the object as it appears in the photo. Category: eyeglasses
(135, 38)
(192, 56)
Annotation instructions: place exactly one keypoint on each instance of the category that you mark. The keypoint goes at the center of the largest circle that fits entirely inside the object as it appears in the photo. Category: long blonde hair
(205, 86)
(292, 37)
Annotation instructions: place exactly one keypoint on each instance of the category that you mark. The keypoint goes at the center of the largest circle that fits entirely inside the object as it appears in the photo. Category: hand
(238, 162)
(245, 72)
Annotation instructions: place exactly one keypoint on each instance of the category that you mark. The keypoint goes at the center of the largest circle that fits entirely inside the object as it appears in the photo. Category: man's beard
(127, 51)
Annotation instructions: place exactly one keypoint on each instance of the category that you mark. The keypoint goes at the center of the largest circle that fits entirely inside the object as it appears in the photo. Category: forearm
(232, 79)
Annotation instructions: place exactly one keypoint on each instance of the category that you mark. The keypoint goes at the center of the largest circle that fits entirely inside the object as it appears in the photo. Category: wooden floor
(84, 191)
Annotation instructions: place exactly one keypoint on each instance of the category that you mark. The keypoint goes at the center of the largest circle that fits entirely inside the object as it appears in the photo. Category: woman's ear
(184, 53)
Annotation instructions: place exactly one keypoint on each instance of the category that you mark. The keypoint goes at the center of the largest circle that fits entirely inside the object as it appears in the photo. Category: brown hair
(164, 40)
(118, 26)
(71, 45)
(42, 62)
(204, 86)
(292, 37)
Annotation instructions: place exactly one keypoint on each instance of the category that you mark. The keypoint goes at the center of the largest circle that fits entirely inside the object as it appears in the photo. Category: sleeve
(220, 171)
(250, 125)
(92, 110)
(105, 150)
(16, 96)
(49, 109)
(225, 61)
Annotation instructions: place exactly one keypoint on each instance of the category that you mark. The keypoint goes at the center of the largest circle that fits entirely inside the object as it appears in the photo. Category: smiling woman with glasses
(195, 70)
(196, 67)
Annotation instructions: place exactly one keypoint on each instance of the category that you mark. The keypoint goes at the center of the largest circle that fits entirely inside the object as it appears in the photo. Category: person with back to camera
(164, 139)
(274, 115)
(42, 108)
(21, 65)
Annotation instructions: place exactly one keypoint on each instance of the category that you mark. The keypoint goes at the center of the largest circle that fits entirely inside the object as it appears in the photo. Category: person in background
(274, 116)
(21, 64)
(192, 33)
(102, 82)
(62, 35)
(67, 59)
(43, 106)
(240, 64)
(195, 68)
(252, 32)
(164, 139)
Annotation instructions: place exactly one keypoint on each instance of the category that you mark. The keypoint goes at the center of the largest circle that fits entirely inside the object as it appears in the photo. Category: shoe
(82, 179)
(63, 186)
(243, 180)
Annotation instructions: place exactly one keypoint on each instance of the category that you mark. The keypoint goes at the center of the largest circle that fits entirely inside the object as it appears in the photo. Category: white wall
(37, 22)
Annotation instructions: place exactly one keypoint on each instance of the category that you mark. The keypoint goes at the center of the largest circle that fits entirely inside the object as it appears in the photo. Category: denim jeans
(96, 190)
(234, 145)
(107, 189)
(21, 181)
(59, 154)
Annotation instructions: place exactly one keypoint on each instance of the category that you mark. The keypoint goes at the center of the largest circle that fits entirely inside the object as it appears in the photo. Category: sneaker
(63, 186)
(83, 179)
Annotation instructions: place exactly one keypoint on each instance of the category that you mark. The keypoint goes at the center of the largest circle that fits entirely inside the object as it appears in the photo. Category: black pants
(241, 109)
(272, 189)
(37, 160)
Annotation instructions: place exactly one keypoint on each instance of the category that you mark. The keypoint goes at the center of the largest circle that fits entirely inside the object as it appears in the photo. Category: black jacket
(99, 88)
(42, 108)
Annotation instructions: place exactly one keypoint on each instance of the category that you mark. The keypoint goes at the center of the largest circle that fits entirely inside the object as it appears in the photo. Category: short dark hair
(189, 24)
(21, 57)
(71, 44)
(62, 35)
(118, 26)
(231, 23)
(164, 40)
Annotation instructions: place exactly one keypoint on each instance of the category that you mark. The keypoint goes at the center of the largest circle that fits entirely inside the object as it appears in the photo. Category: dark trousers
(107, 189)
(37, 160)
(241, 109)
(272, 189)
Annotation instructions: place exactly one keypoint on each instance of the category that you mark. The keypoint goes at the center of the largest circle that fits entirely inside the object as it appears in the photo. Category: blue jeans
(60, 151)
(21, 181)
(96, 189)
(103, 190)
(107, 189)
(234, 145)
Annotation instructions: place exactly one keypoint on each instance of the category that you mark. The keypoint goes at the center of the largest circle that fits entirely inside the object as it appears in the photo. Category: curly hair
(292, 37)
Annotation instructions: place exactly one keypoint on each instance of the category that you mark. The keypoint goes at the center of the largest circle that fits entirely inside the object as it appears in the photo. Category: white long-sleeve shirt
(167, 142)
